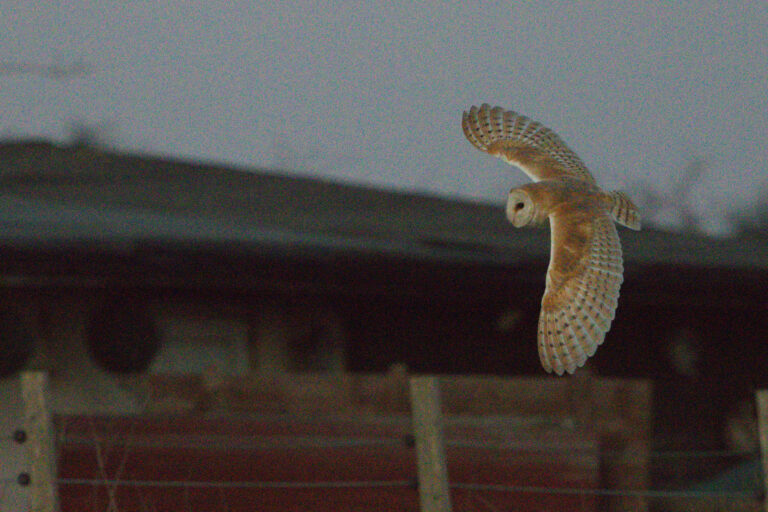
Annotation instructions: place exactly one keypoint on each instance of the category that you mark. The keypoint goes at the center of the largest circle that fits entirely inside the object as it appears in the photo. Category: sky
(372, 92)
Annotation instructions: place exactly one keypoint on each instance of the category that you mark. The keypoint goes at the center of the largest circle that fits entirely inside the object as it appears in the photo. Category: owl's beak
(511, 216)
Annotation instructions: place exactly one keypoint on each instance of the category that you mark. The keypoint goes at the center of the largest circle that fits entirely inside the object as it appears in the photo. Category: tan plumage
(585, 267)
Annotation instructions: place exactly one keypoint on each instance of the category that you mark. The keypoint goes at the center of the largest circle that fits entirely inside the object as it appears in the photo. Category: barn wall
(196, 336)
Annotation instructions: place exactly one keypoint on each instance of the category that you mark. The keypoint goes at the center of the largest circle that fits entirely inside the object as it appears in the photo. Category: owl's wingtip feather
(624, 211)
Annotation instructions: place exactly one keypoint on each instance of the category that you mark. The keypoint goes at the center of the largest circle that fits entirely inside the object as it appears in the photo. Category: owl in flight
(585, 266)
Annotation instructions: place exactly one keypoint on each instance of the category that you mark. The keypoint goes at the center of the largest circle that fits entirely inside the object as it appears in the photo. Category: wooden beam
(434, 492)
(40, 443)
(762, 425)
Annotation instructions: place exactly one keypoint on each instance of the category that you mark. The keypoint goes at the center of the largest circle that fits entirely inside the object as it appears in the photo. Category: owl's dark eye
(519, 206)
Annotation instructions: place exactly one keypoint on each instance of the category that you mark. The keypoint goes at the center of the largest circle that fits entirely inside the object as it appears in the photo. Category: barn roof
(55, 196)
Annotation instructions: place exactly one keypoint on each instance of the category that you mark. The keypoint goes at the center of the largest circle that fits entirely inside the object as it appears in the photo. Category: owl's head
(521, 209)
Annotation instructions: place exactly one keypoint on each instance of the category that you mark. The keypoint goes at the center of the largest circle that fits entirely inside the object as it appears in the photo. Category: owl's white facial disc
(520, 208)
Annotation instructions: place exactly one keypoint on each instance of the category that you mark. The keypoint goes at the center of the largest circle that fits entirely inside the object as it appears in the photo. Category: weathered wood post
(40, 442)
(762, 426)
(434, 492)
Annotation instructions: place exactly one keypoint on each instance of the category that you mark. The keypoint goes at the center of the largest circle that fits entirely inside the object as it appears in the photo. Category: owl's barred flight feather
(579, 304)
(520, 141)
(585, 268)
(624, 211)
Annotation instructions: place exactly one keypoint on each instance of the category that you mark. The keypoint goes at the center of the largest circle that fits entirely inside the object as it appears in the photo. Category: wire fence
(284, 462)
(103, 445)
(122, 445)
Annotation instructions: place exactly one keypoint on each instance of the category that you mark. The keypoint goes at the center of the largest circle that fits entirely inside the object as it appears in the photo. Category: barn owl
(585, 266)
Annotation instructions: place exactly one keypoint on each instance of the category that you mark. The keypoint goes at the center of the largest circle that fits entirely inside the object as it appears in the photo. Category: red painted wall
(367, 463)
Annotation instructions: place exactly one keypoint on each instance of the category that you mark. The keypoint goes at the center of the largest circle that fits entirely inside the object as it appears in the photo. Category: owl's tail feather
(624, 211)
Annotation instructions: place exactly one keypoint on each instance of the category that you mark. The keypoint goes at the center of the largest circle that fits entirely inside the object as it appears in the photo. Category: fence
(12, 483)
(387, 445)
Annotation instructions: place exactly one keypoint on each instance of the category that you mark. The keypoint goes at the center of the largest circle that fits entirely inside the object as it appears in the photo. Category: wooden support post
(434, 492)
(762, 425)
(40, 442)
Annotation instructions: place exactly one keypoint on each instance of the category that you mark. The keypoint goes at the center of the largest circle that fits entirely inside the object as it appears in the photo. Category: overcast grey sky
(373, 92)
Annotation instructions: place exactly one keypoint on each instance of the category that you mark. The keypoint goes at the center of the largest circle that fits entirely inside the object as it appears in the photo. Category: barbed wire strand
(206, 442)
(238, 485)
(673, 454)
(639, 493)
(246, 417)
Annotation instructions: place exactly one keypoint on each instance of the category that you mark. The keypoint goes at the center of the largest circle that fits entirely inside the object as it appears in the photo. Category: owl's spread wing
(535, 149)
(583, 280)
